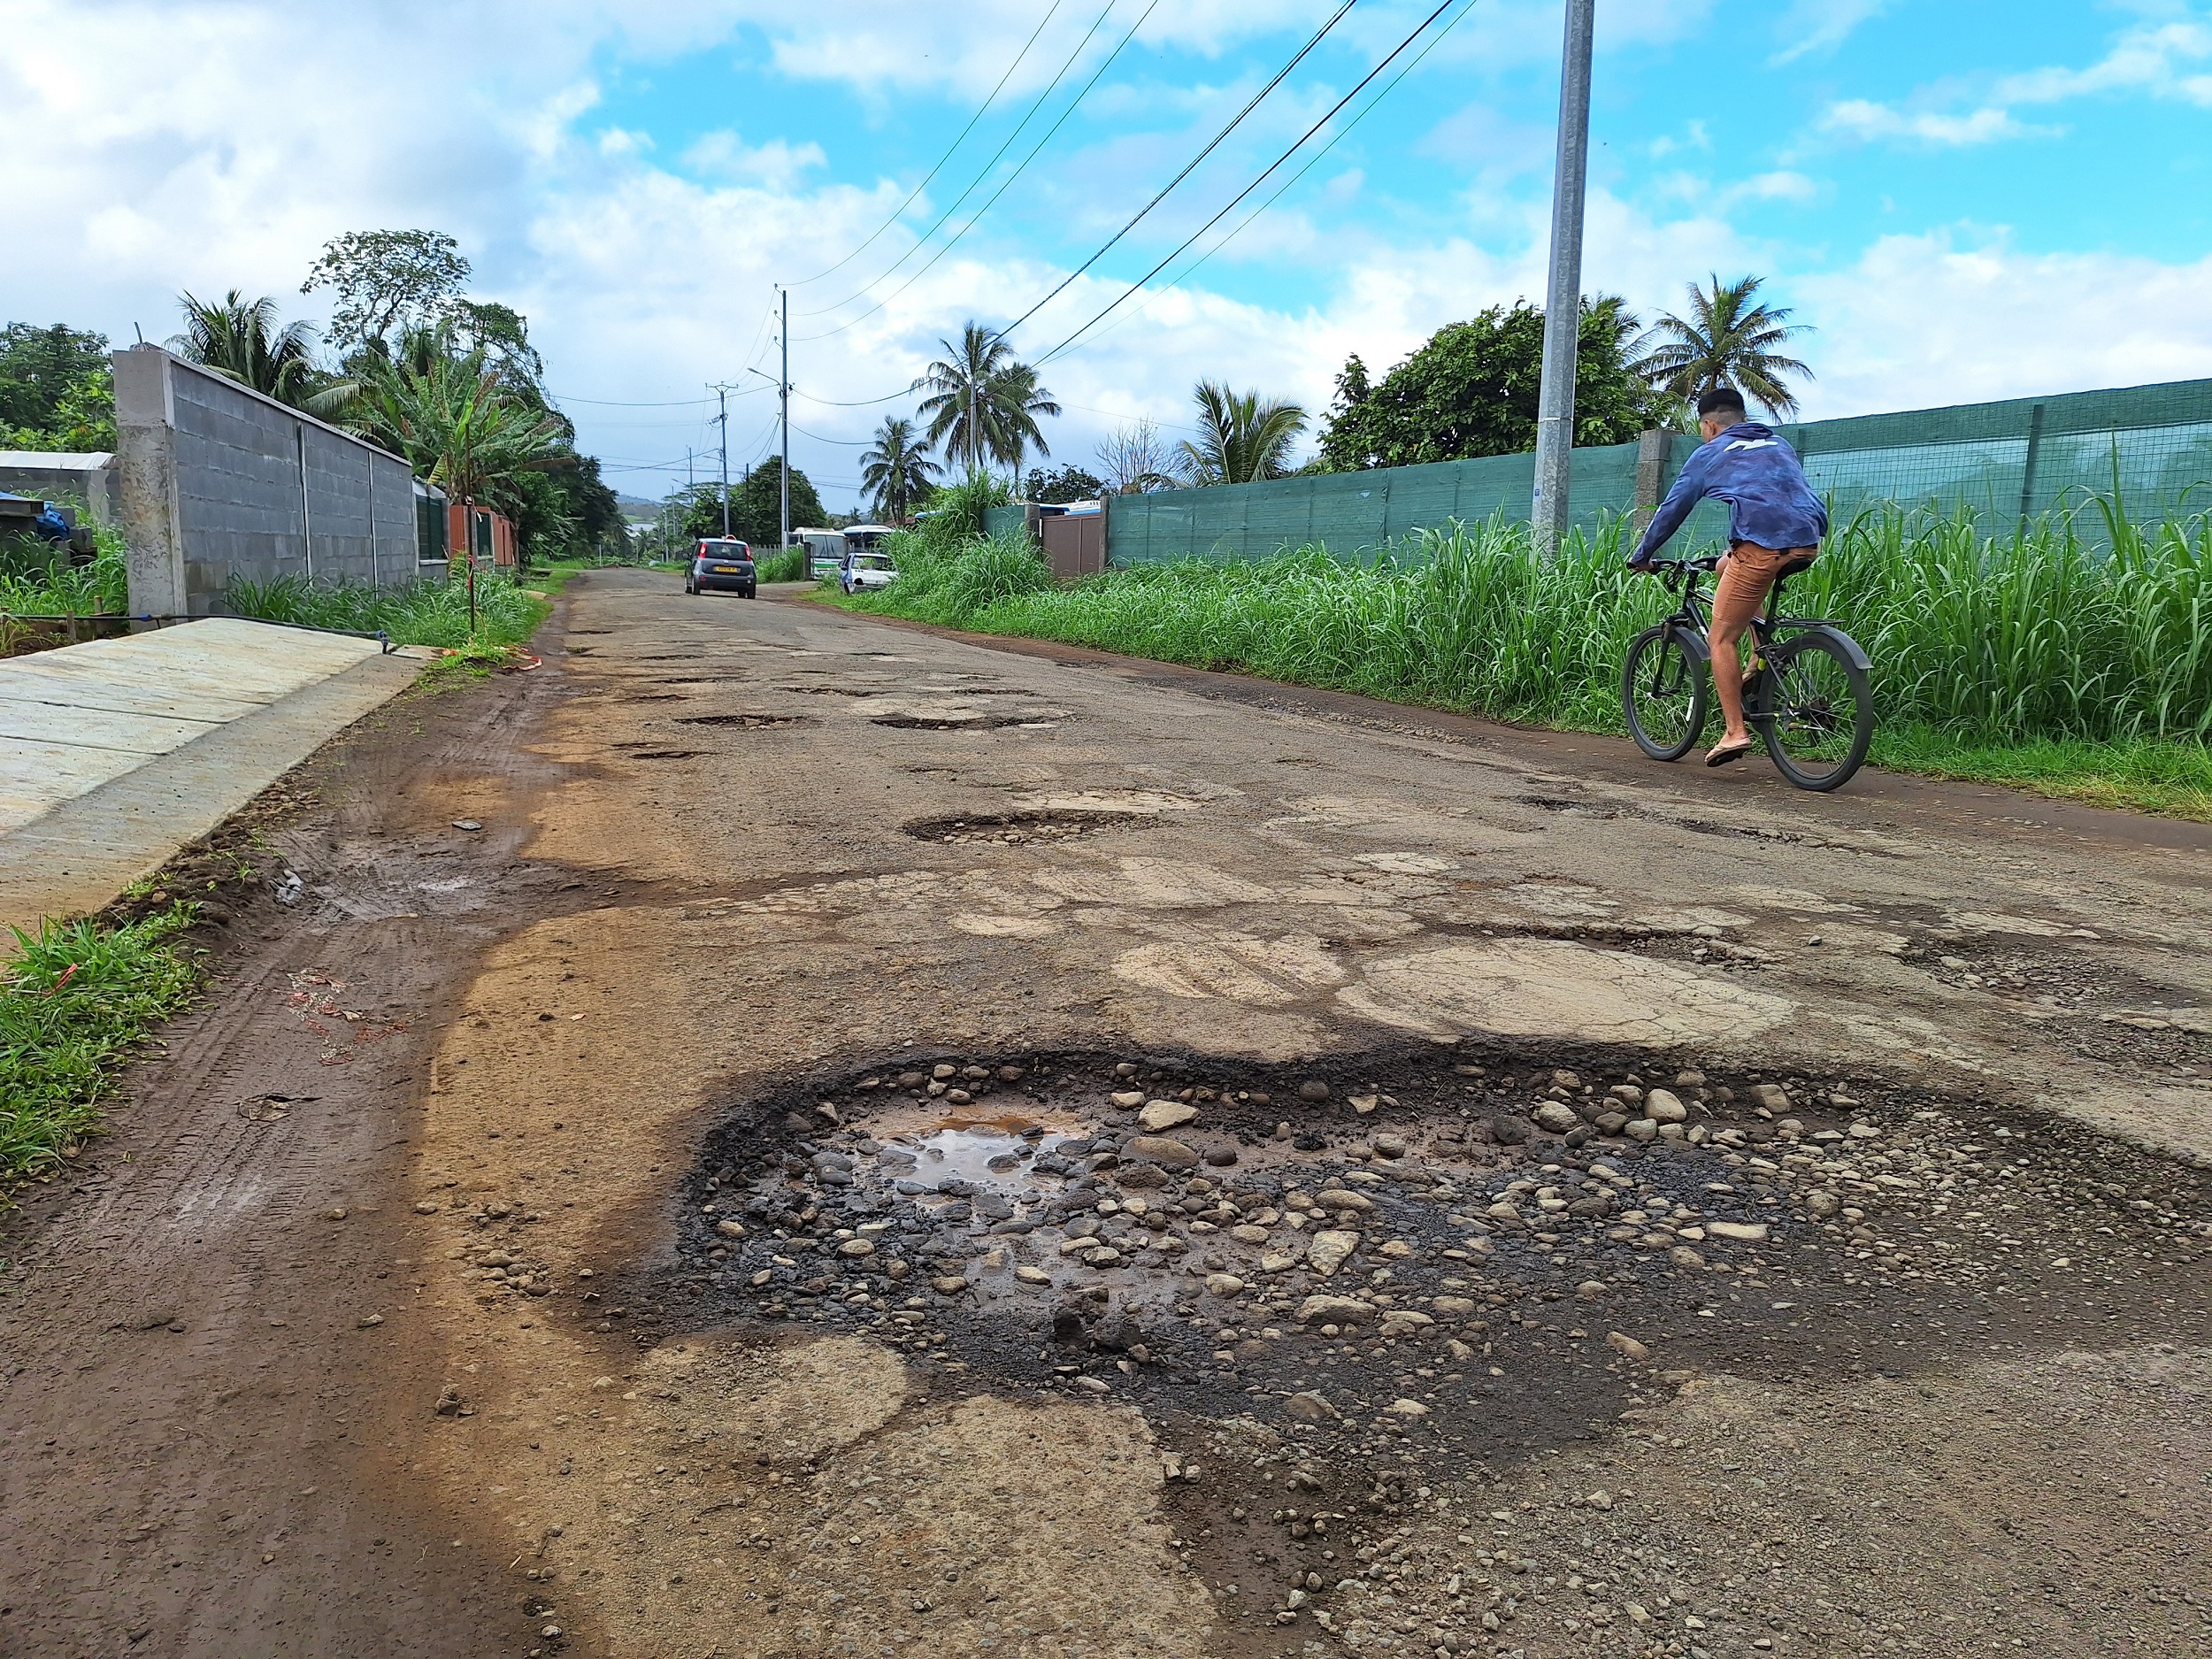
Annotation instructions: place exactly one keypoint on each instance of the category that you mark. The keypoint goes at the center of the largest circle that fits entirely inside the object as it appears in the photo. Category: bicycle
(1808, 694)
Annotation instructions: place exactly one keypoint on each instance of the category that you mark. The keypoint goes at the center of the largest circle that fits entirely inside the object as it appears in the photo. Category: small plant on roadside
(75, 1008)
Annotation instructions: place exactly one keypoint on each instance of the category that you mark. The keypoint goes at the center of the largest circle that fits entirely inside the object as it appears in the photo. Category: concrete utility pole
(784, 392)
(722, 396)
(1563, 301)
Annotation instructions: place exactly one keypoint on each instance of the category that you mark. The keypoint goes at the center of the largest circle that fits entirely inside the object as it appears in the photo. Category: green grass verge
(2037, 659)
(433, 610)
(75, 1006)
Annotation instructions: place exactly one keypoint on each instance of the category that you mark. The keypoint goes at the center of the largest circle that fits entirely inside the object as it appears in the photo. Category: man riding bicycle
(1773, 519)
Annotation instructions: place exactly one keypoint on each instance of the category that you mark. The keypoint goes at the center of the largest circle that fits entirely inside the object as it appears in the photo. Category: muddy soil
(776, 1135)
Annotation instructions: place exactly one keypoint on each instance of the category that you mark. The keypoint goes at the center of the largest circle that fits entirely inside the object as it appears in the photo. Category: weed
(74, 1008)
(433, 610)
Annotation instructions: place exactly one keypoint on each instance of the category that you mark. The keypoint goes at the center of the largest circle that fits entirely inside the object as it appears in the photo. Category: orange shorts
(1744, 581)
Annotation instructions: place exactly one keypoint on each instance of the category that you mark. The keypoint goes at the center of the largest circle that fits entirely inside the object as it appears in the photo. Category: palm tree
(1241, 440)
(1725, 341)
(462, 425)
(985, 403)
(239, 338)
(1014, 400)
(897, 471)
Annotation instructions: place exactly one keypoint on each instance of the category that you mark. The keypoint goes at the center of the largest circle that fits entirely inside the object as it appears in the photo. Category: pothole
(747, 721)
(977, 722)
(665, 754)
(1013, 828)
(1442, 1255)
(1574, 809)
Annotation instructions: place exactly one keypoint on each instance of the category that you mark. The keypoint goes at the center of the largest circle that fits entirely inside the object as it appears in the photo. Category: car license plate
(725, 569)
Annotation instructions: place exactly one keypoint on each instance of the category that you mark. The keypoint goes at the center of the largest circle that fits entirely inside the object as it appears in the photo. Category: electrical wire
(997, 155)
(680, 402)
(1419, 29)
(899, 211)
(1280, 75)
(1342, 133)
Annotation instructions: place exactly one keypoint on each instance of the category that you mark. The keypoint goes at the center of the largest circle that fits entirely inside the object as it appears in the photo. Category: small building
(63, 476)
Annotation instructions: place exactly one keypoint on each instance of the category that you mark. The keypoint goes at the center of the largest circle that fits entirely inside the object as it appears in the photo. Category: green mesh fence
(2153, 444)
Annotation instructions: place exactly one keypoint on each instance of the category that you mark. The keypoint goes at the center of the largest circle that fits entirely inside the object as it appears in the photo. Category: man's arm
(1689, 489)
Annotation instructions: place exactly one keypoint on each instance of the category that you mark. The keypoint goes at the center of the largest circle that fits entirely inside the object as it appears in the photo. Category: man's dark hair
(1721, 400)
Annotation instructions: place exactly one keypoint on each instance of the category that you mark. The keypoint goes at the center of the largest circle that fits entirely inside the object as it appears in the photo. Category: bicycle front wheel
(1662, 694)
(1816, 709)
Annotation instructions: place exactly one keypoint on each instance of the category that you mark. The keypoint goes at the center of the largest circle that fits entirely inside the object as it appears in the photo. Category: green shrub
(790, 565)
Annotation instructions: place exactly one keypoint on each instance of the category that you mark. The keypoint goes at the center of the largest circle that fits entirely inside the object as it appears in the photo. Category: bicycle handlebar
(1682, 564)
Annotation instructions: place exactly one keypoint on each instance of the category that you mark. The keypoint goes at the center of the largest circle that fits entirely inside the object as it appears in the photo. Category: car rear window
(872, 562)
(725, 551)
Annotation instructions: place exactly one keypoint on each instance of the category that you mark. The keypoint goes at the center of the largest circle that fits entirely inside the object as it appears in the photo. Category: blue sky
(1966, 200)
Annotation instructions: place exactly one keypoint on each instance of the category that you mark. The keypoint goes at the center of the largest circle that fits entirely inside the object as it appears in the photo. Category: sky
(1962, 200)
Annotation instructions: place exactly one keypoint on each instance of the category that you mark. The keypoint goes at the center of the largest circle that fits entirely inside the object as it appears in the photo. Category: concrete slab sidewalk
(116, 753)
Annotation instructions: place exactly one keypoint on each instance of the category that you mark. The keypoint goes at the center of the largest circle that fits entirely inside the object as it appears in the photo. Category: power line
(953, 207)
(680, 403)
(1313, 161)
(1418, 30)
(1219, 138)
(897, 213)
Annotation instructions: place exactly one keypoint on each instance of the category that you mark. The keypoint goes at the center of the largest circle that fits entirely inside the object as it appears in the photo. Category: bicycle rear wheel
(1662, 694)
(1815, 709)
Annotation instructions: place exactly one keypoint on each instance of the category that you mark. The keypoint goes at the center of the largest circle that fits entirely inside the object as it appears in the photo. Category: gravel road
(781, 1135)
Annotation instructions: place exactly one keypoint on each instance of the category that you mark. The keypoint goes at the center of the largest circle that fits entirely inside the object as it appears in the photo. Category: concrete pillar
(146, 479)
(1653, 450)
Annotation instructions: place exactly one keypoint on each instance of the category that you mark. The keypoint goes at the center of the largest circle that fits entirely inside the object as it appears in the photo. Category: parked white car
(866, 571)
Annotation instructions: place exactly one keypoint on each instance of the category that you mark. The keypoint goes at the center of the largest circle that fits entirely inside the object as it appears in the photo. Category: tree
(1240, 439)
(1135, 458)
(461, 425)
(755, 506)
(896, 471)
(386, 278)
(985, 403)
(1472, 391)
(240, 338)
(1062, 485)
(1725, 341)
(1015, 400)
(57, 392)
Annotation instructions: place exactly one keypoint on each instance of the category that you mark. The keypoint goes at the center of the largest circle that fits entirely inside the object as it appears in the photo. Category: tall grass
(2042, 634)
(429, 611)
(37, 579)
(72, 1007)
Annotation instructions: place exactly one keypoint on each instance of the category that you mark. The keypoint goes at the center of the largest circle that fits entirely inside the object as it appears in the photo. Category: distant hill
(633, 507)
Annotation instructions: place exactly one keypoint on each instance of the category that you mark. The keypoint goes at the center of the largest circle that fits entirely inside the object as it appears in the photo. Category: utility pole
(722, 395)
(1563, 300)
(784, 391)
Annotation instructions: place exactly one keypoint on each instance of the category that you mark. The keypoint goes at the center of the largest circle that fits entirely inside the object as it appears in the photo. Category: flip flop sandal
(1725, 754)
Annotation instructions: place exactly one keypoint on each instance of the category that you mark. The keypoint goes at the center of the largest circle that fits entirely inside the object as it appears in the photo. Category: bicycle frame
(1690, 623)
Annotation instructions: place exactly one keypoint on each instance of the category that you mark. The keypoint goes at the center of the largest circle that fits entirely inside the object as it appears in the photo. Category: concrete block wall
(219, 482)
(89, 479)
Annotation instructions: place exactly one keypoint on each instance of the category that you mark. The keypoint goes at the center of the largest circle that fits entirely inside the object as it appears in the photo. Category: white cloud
(2163, 59)
(1951, 318)
(2149, 59)
(1863, 120)
(778, 162)
(1820, 25)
